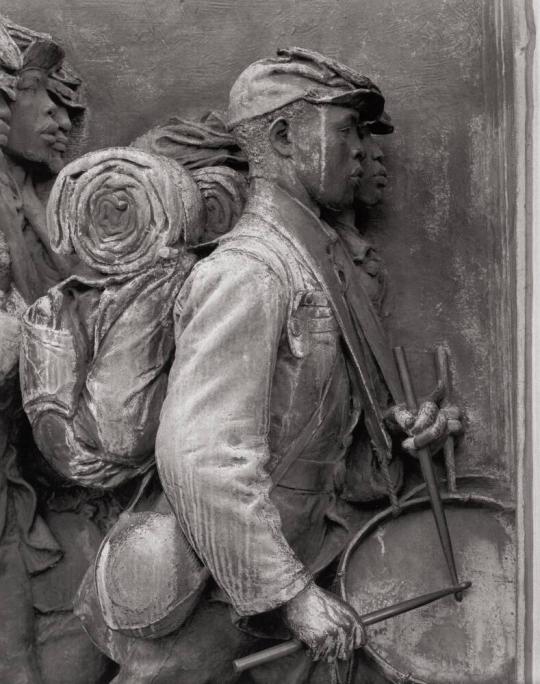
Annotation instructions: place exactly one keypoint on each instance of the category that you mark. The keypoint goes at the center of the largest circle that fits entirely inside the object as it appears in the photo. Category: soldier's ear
(280, 139)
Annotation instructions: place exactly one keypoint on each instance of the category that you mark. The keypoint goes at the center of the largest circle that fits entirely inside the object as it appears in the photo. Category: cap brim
(381, 128)
(79, 108)
(382, 125)
(66, 101)
(368, 103)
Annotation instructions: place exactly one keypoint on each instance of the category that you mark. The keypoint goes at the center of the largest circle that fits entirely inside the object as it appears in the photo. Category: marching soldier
(281, 373)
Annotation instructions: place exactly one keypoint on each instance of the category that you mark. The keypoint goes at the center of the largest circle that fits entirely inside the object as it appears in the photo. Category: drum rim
(409, 502)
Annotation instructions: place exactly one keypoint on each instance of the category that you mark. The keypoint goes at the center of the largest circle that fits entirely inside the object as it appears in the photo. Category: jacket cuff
(273, 597)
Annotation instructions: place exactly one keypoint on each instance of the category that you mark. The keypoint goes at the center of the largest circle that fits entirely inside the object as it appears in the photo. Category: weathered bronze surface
(379, 615)
(435, 644)
(208, 408)
(45, 551)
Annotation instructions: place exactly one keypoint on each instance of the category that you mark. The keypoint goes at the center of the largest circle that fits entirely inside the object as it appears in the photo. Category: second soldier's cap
(10, 64)
(382, 125)
(300, 74)
(41, 51)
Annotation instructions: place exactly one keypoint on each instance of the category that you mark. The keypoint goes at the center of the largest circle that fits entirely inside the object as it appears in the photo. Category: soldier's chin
(55, 162)
(369, 198)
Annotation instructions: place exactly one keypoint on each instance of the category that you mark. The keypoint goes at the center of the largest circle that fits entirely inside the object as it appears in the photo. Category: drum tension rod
(428, 472)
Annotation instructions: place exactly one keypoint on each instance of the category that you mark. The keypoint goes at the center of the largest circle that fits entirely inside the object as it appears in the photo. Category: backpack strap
(268, 248)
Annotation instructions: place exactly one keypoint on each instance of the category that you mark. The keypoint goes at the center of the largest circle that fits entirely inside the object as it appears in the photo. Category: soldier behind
(368, 193)
(47, 107)
(41, 638)
(26, 545)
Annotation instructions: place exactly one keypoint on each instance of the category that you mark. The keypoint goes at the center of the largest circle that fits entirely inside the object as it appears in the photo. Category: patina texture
(282, 427)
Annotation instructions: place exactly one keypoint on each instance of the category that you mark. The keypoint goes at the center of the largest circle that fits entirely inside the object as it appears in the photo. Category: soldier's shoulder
(252, 244)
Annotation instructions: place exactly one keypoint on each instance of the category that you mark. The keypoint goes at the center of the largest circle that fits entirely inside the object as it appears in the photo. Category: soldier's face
(38, 126)
(370, 188)
(5, 117)
(328, 154)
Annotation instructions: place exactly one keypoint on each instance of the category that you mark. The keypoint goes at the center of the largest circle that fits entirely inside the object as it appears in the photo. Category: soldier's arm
(212, 445)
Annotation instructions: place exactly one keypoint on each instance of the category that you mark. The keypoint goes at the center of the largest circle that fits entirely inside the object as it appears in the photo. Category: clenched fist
(324, 623)
(429, 427)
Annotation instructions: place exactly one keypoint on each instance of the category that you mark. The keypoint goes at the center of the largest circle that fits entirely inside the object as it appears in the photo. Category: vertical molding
(527, 407)
(504, 288)
(501, 80)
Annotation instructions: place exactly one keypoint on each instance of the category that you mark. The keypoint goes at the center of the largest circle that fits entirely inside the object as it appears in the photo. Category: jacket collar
(357, 319)
(279, 207)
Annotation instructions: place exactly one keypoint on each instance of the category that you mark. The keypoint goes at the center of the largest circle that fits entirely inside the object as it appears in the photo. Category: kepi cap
(41, 51)
(301, 74)
(10, 63)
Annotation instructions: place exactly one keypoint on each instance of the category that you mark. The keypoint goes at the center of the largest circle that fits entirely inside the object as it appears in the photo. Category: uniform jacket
(259, 357)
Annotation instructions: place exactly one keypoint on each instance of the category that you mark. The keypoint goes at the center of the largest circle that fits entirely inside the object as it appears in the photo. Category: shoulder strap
(301, 237)
(268, 247)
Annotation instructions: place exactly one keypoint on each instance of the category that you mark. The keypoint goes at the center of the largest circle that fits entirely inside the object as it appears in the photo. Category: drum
(447, 642)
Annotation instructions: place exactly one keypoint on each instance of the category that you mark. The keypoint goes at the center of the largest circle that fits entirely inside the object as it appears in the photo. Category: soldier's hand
(429, 427)
(327, 625)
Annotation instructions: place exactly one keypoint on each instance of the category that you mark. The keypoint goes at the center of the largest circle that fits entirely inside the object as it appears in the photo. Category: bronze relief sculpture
(47, 112)
(127, 216)
(263, 465)
(40, 562)
(26, 544)
(203, 358)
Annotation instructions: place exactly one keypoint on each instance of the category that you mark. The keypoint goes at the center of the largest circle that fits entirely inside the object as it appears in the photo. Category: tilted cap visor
(41, 51)
(298, 74)
(67, 88)
(382, 125)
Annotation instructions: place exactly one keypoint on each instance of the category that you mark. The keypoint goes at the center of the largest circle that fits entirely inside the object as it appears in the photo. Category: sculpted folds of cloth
(96, 347)
(279, 375)
(199, 322)
(46, 116)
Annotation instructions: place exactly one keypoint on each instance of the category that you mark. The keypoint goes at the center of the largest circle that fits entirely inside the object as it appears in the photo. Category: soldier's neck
(345, 217)
(17, 172)
(292, 186)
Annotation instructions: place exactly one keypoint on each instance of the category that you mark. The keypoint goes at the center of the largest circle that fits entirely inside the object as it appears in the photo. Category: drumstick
(428, 473)
(443, 375)
(288, 647)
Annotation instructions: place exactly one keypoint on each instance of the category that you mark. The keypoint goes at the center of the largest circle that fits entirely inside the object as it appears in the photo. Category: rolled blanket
(194, 143)
(120, 210)
(224, 191)
(96, 348)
